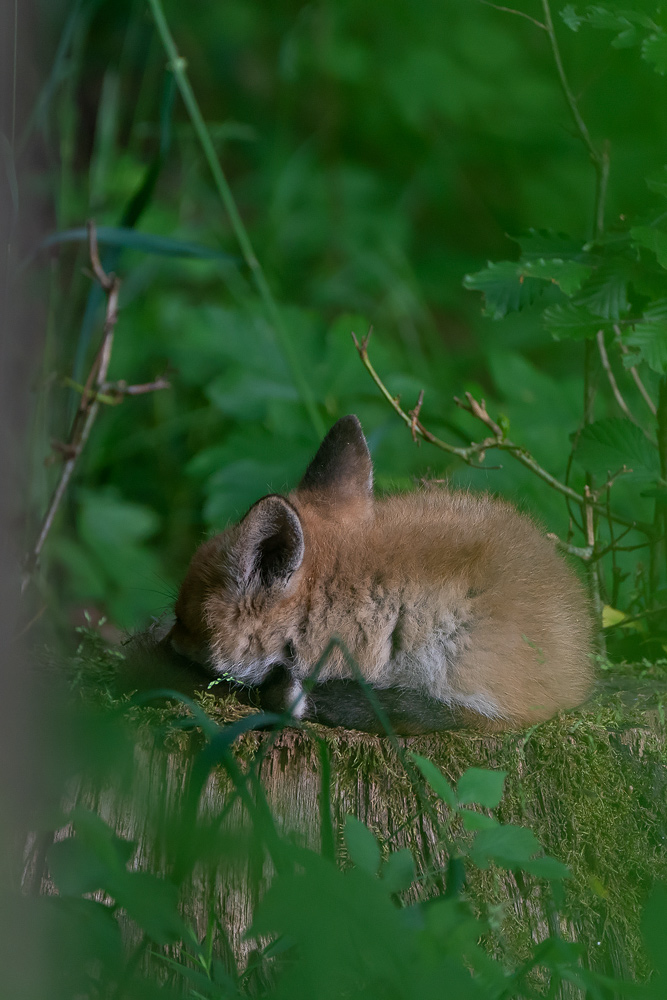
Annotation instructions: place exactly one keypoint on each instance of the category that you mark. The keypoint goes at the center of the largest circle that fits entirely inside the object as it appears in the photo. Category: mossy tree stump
(592, 786)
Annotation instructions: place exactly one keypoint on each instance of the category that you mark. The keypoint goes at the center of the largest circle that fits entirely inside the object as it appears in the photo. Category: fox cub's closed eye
(494, 627)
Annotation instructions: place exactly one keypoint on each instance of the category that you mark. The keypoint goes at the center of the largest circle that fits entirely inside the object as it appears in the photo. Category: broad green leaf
(605, 446)
(504, 287)
(571, 322)
(653, 239)
(477, 821)
(546, 867)
(153, 903)
(508, 846)
(649, 335)
(398, 871)
(654, 51)
(481, 786)
(77, 868)
(362, 846)
(568, 274)
(436, 780)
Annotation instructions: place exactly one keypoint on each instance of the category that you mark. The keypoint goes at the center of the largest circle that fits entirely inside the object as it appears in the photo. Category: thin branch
(95, 391)
(477, 449)
(585, 553)
(636, 376)
(517, 13)
(604, 358)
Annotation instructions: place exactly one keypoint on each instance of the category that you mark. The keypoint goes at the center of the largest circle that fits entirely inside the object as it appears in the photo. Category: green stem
(177, 65)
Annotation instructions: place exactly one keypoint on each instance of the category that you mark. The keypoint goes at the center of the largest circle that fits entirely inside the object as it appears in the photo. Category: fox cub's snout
(455, 608)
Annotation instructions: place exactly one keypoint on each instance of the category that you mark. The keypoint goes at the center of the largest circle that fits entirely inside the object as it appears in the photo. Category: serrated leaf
(653, 239)
(481, 786)
(568, 321)
(436, 780)
(504, 287)
(605, 446)
(362, 846)
(477, 821)
(605, 294)
(398, 872)
(569, 275)
(649, 335)
(654, 51)
(570, 17)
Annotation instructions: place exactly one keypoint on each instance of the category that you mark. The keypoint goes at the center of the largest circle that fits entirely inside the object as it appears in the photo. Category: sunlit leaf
(567, 321)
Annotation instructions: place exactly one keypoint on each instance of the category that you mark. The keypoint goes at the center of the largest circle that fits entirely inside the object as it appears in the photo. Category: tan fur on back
(450, 593)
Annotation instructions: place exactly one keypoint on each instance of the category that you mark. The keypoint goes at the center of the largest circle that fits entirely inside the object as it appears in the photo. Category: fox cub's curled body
(457, 611)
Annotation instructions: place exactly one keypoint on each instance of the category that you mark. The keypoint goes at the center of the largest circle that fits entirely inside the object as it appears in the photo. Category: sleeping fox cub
(457, 611)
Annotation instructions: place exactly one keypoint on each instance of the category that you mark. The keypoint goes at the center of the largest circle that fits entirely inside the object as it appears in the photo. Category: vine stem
(178, 65)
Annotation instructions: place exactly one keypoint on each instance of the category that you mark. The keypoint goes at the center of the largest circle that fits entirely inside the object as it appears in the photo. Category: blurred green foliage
(377, 158)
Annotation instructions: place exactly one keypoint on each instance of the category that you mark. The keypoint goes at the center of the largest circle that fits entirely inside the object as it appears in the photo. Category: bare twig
(581, 552)
(604, 358)
(476, 450)
(95, 391)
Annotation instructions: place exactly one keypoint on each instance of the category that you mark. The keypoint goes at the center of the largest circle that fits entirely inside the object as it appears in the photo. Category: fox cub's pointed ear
(342, 468)
(270, 545)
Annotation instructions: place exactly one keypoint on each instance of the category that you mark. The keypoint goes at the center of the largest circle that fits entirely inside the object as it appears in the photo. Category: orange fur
(448, 593)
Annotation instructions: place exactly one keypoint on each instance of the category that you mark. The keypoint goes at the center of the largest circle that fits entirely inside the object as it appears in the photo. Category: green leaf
(605, 294)
(537, 243)
(398, 871)
(481, 786)
(153, 903)
(654, 51)
(653, 239)
(571, 322)
(570, 17)
(362, 846)
(546, 867)
(477, 821)
(504, 287)
(77, 868)
(649, 335)
(436, 780)
(508, 846)
(568, 274)
(605, 446)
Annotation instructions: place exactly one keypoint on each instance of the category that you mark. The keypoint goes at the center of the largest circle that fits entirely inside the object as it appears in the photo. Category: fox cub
(456, 610)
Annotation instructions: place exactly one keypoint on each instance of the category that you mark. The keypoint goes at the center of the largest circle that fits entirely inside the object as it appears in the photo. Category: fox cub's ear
(270, 543)
(342, 468)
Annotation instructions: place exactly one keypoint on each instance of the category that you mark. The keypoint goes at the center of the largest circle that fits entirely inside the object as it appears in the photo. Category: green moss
(591, 785)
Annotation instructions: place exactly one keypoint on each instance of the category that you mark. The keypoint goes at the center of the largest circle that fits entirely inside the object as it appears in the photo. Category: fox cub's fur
(456, 609)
